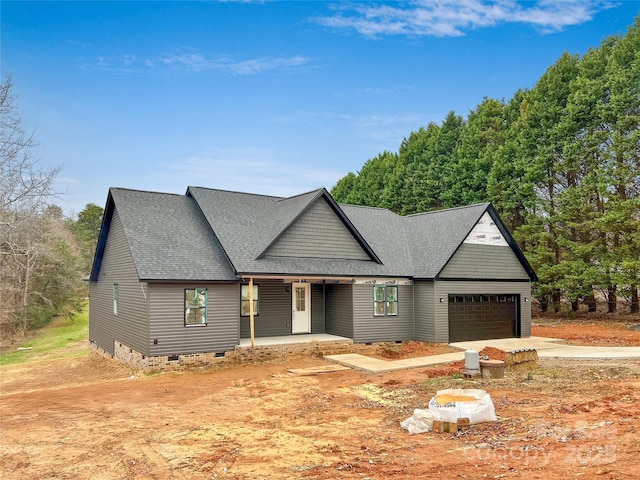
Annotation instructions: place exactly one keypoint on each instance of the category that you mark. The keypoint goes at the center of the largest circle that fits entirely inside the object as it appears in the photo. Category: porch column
(251, 319)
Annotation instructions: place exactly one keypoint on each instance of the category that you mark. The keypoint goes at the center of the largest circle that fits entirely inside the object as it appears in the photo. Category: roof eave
(102, 238)
(512, 243)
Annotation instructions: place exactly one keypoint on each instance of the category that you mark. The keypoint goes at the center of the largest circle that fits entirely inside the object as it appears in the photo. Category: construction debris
(492, 369)
(422, 421)
(524, 360)
(317, 370)
(479, 410)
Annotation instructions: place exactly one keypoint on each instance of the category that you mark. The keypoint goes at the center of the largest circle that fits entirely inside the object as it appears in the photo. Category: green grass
(53, 341)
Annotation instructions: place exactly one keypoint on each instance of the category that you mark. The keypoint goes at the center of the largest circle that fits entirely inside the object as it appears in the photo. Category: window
(301, 298)
(244, 300)
(385, 300)
(195, 306)
(115, 298)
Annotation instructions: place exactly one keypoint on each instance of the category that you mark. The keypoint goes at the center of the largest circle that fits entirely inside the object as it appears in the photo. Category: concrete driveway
(552, 348)
(546, 348)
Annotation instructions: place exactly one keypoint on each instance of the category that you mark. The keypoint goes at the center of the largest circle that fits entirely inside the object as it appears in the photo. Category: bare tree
(23, 185)
(24, 191)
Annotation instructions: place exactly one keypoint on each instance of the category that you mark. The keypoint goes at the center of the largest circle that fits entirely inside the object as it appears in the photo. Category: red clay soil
(92, 418)
(412, 349)
(492, 353)
(595, 333)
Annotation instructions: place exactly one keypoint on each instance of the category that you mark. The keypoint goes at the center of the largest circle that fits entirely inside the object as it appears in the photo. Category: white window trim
(386, 301)
(256, 299)
(114, 294)
(187, 308)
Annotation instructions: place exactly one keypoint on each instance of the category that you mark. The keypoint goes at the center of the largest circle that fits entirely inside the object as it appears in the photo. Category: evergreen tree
(560, 162)
(474, 155)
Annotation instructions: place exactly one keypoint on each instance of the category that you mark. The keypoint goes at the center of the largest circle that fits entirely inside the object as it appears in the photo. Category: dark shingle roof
(218, 235)
(168, 237)
(247, 224)
(434, 237)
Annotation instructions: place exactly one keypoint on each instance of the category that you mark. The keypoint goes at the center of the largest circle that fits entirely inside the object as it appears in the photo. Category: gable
(317, 233)
(486, 232)
(117, 262)
(488, 252)
(487, 262)
(166, 236)
(434, 237)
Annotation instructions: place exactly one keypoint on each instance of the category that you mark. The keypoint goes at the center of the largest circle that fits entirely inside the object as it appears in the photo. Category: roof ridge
(444, 210)
(146, 191)
(302, 194)
(235, 191)
(368, 207)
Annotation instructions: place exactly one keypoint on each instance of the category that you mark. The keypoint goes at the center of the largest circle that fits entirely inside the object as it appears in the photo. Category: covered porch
(310, 338)
(292, 310)
(288, 310)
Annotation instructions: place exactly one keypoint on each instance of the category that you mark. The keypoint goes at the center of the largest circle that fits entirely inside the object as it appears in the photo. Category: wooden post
(251, 313)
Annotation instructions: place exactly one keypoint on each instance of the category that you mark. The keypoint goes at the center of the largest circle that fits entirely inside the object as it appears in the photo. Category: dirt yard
(92, 418)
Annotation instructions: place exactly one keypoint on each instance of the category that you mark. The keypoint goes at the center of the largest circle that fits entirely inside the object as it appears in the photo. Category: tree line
(559, 161)
(43, 256)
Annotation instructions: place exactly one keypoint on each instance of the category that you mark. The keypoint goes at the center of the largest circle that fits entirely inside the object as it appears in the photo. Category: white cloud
(189, 60)
(446, 18)
(251, 67)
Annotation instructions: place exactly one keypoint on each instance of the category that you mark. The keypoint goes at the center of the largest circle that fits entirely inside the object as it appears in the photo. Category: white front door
(301, 301)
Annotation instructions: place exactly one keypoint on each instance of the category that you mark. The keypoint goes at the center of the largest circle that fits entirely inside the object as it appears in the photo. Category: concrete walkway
(376, 365)
(546, 348)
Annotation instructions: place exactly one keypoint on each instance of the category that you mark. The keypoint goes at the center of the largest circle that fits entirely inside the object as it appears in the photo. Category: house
(186, 275)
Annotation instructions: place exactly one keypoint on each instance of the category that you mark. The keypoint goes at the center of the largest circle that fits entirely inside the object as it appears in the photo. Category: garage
(481, 317)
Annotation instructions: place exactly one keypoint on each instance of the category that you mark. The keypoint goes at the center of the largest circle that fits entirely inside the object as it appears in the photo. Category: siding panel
(131, 325)
(339, 310)
(167, 320)
(369, 328)
(425, 311)
(317, 309)
(318, 233)
(486, 262)
(274, 318)
(443, 289)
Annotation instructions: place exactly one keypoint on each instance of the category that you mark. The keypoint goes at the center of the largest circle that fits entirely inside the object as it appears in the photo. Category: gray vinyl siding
(274, 317)
(369, 328)
(424, 305)
(318, 233)
(317, 308)
(167, 320)
(339, 310)
(443, 289)
(486, 262)
(131, 325)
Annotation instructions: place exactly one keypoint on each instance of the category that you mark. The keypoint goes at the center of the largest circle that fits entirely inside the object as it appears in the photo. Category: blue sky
(267, 97)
